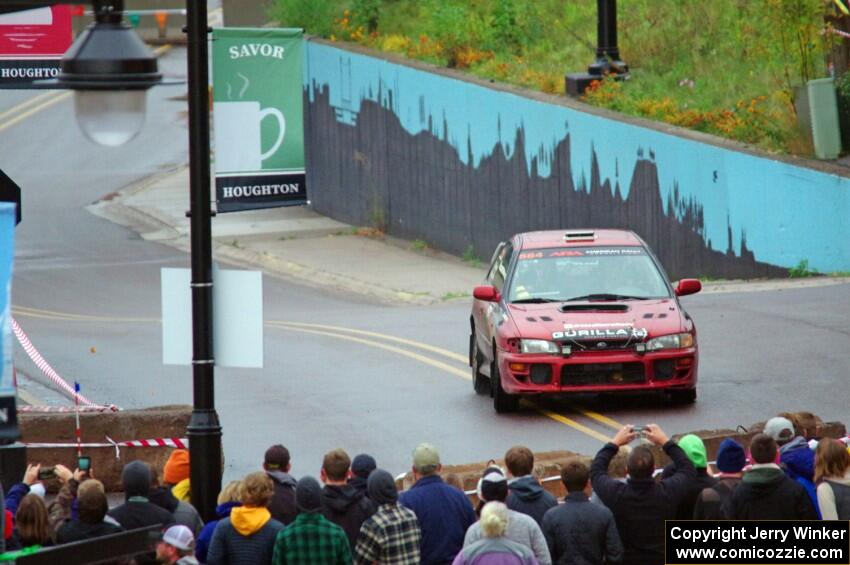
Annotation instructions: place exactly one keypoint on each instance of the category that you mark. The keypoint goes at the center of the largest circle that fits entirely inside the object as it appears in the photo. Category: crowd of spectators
(613, 512)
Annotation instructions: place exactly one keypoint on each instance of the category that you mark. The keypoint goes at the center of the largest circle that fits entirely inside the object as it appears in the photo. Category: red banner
(39, 33)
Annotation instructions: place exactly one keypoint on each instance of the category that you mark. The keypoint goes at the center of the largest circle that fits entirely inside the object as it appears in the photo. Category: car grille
(602, 374)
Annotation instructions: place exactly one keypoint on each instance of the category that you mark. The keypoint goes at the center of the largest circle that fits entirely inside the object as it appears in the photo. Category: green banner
(258, 118)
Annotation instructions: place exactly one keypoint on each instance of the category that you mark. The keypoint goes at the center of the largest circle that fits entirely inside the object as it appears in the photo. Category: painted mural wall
(458, 164)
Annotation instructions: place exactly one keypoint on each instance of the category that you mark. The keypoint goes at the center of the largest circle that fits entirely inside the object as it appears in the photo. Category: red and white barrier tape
(62, 409)
(178, 443)
(48, 371)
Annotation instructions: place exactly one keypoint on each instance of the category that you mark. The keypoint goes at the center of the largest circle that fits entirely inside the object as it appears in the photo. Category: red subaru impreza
(580, 311)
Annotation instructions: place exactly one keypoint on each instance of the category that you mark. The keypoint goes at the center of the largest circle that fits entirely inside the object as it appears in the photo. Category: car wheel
(685, 396)
(480, 383)
(502, 401)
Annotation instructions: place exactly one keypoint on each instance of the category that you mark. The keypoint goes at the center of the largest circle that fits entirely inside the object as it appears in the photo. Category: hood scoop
(595, 307)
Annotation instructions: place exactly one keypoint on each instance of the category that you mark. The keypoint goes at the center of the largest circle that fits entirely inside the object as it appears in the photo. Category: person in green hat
(694, 448)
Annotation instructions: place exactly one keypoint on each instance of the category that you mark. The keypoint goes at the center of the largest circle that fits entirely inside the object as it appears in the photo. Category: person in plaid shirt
(311, 539)
(391, 536)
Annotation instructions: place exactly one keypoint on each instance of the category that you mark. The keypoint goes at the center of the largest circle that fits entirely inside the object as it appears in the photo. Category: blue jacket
(204, 538)
(444, 514)
(527, 496)
(798, 460)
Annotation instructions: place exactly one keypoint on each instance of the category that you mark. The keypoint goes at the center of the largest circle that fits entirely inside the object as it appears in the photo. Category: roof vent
(579, 235)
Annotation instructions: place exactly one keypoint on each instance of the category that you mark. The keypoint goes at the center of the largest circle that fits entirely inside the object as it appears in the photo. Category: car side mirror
(487, 293)
(688, 286)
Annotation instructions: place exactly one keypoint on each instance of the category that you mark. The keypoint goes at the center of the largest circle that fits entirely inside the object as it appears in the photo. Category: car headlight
(539, 346)
(672, 341)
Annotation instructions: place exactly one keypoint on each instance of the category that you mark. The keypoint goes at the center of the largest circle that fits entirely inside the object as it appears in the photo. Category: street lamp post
(109, 68)
(607, 52)
(204, 430)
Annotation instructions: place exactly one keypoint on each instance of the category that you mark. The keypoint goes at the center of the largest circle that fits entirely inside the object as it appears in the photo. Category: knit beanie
(694, 448)
(381, 487)
(308, 495)
(136, 479)
(177, 467)
(363, 465)
(493, 486)
(730, 456)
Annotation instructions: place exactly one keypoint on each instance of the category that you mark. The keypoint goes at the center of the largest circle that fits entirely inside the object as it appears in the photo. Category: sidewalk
(298, 244)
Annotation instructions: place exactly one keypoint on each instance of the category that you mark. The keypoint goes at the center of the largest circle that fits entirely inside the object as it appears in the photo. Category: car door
(486, 319)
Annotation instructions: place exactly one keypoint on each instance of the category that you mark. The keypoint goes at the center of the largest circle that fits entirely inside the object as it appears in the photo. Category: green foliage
(727, 67)
(315, 16)
(366, 13)
(418, 245)
(469, 257)
(453, 295)
(801, 270)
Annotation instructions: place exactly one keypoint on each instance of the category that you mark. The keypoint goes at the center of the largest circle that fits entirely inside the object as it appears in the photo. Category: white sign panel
(237, 318)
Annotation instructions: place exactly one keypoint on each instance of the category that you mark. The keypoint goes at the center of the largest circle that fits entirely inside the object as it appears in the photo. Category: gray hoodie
(521, 529)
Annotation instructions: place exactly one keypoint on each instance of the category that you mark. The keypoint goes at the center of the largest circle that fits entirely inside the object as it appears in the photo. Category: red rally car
(580, 311)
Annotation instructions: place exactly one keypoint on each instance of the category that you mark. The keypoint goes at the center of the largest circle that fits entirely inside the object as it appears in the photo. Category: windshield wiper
(534, 300)
(605, 296)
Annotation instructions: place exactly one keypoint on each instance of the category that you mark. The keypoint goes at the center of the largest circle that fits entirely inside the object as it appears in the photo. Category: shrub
(315, 16)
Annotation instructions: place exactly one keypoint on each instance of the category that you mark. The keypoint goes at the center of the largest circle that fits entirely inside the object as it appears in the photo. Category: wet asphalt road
(761, 352)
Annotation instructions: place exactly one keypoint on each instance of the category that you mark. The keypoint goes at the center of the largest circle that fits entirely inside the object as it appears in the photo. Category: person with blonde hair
(494, 548)
(832, 475)
(247, 535)
(228, 499)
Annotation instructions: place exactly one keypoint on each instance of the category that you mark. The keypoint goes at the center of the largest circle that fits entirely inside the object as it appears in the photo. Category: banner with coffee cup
(258, 118)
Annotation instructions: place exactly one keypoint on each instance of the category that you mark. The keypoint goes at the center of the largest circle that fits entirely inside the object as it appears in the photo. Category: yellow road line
(59, 97)
(567, 421)
(421, 358)
(412, 343)
(601, 418)
(68, 317)
(25, 104)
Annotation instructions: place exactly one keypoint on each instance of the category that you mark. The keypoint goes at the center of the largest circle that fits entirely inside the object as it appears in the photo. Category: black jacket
(138, 513)
(640, 506)
(527, 496)
(346, 507)
(76, 530)
(703, 480)
(581, 533)
(282, 505)
(709, 503)
(766, 493)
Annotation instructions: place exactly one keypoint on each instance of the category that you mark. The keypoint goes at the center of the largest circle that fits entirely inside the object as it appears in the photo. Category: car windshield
(591, 273)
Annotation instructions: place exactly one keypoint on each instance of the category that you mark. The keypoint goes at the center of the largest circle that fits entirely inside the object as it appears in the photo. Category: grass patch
(727, 67)
(453, 296)
(470, 258)
(802, 270)
(419, 245)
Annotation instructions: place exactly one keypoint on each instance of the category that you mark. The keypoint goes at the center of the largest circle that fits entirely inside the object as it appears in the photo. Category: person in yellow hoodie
(176, 475)
(247, 536)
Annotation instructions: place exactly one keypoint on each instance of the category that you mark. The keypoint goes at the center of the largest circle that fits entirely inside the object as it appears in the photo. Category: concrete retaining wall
(462, 164)
(165, 422)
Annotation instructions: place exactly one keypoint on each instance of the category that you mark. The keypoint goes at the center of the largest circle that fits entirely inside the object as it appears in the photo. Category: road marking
(392, 348)
(55, 99)
(340, 333)
(567, 421)
(25, 104)
(412, 343)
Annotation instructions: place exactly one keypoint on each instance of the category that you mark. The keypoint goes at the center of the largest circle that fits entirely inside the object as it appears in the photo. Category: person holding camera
(641, 504)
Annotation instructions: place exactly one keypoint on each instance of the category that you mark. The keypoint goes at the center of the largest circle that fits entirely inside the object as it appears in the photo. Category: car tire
(502, 401)
(480, 383)
(683, 396)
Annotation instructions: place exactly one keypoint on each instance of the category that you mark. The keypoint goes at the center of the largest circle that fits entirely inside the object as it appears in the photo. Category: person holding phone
(61, 509)
(31, 482)
(641, 504)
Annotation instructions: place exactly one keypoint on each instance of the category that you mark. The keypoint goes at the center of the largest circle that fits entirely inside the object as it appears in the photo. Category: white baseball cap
(180, 537)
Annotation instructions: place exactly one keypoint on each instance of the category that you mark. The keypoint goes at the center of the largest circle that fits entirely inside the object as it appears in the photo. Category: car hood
(601, 319)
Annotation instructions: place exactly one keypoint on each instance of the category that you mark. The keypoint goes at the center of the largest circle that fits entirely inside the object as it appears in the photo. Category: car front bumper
(599, 371)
